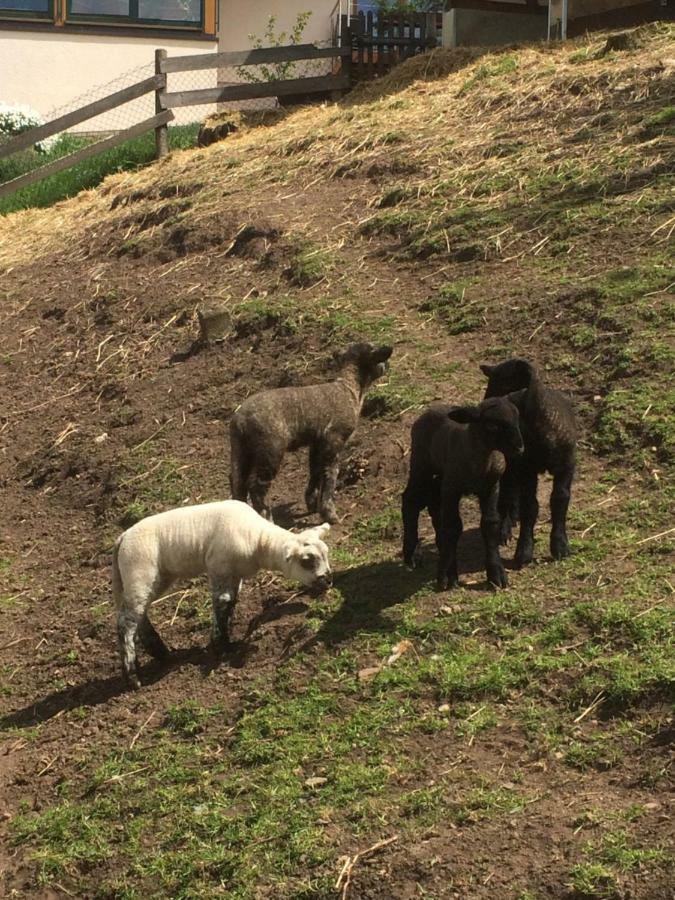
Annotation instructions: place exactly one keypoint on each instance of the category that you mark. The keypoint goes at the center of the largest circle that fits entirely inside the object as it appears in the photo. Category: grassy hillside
(467, 207)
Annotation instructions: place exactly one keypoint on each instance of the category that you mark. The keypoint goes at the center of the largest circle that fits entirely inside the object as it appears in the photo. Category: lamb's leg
(450, 533)
(415, 497)
(560, 501)
(151, 640)
(224, 593)
(330, 465)
(240, 465)
(529, 510)
(128, 623)
(508, 504)
(434, 507)
(313, 491)
(489, 526)
(263, 473)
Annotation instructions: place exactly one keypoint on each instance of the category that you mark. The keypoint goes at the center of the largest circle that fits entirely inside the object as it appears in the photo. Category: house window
(188, 13)
(33, 8)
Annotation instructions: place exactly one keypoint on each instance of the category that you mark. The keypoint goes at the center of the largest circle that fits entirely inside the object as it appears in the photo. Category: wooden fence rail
(40, 132)
(332, 84)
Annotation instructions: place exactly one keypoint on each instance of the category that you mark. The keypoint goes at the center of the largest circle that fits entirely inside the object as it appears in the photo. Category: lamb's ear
(464, 414)
(382, 354)
(487, 370)
(322, 530)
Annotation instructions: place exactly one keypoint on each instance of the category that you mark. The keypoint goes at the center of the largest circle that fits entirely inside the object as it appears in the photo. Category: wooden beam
(85, 153)
(210, 17)
(250, 57)
(497, 6)
(174, 99)
(34, 135)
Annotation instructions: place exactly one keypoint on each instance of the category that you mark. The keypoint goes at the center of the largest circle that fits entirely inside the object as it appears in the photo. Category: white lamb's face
(309, 563)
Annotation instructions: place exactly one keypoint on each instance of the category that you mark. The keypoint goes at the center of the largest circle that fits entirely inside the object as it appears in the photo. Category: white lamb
(228, 541)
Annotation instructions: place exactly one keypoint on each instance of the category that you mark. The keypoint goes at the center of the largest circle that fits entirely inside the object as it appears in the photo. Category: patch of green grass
(308, 265)
(664, 120)
(392, 397)
(188, 718)
(498, 67)
(82, 176)
(607, 859)
(455, 309)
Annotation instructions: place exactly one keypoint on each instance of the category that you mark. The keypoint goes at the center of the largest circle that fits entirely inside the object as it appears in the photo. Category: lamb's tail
(117, 584)
(240, 464)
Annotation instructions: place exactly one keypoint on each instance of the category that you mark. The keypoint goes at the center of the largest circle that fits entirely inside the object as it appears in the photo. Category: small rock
(444, 708)
(315, 782)
(368, 673)
(101, 438)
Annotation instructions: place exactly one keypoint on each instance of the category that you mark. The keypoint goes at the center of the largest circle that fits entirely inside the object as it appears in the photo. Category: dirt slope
(468, 207)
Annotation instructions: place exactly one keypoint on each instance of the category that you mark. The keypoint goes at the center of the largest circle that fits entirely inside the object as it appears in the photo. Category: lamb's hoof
(220, 646)
(498, 578)
(446, 584)
(505, 532)
(523, 557)
(329, 514)
(560, 547)
(133, 682)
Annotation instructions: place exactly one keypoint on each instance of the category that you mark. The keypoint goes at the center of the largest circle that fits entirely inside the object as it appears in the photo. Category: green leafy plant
(281, 70)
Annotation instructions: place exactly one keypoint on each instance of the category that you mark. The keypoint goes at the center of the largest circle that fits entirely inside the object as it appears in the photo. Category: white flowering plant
(15, 119)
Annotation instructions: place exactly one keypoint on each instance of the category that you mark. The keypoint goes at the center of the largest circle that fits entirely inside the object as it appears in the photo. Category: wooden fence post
(162, 132)
(345, 61)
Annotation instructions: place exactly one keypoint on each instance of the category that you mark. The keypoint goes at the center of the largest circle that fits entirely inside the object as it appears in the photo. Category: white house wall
(238, 20)
(54, 72)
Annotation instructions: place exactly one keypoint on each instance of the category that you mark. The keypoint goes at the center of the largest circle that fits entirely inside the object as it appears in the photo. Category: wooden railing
(332, 84)
(380, 41)
(31, 137)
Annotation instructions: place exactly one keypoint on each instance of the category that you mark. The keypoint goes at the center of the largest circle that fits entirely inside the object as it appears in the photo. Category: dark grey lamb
(550, 435)
(459, 450)
(322, 417)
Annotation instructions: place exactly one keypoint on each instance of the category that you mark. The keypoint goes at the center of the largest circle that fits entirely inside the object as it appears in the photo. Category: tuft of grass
(451, 306)
(308, 265)
(499, 66)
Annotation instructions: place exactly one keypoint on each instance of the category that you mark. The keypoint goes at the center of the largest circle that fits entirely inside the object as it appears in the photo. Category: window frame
(133, 21)
(23, 14)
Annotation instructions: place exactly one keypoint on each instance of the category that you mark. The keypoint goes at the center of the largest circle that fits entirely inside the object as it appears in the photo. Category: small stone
(444, 708)
(315, 782)
(101, 438)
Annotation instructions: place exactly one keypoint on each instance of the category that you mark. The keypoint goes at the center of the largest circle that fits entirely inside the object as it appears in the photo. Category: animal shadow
(371, 588)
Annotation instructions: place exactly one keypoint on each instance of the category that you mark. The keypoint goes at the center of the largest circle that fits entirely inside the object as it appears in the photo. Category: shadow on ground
(371, 588)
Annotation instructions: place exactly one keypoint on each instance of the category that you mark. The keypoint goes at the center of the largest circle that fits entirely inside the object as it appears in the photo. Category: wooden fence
(331, 84)
(381, 41)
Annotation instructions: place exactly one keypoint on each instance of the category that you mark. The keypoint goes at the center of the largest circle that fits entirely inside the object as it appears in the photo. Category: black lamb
(459, 450)
(550, 436)
(321, 416)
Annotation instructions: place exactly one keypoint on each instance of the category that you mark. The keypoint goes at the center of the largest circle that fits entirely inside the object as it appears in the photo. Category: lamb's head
(508, 376)
(369, 361)
(307, 559)
(498, 421)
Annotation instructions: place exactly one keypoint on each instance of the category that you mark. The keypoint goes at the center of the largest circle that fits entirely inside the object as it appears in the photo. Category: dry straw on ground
(453, 120)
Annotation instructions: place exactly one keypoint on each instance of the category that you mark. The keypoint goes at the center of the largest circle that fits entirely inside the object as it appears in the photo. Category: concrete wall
(467, 27)
(51, 70)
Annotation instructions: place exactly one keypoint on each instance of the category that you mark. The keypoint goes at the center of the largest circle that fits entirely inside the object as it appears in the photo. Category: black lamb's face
(507, 377)
(500, 421)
